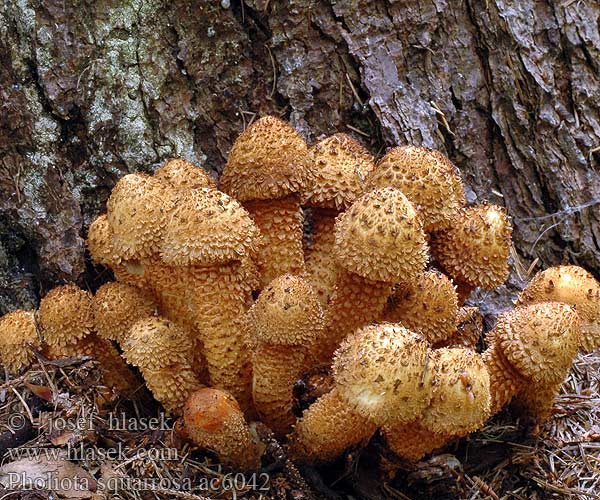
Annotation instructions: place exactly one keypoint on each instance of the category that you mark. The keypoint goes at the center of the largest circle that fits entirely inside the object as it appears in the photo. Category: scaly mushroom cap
(571, 285)
(207, 227)
(427, 178)
(269, 160)
(137, 210)
(117, 306)
(213, 419)
(430, 306)
(475, 249)
(184, 175)
(340, 166)
(461, 392)
(381, 238)
(539, 340)
(381, 371)
(99, 243)
(66, 315)
(18, 330)
(287, 312)
(154, 343)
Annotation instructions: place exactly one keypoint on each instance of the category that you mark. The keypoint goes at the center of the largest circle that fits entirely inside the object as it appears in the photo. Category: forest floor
(59, 424)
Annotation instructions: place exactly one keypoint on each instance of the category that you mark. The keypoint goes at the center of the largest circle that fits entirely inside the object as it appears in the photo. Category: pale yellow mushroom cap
(571, 285)
(461, 392)
(340, 166)
(539, 340)
(287, 312)
(137, 211)
(154, 343)
(66, 315)
(382, 372)
(269, 160)
(18, 331)
(117, 306)
(476, 248)
(380, 237)
(207, 227)
(427, 178)
(184, 175)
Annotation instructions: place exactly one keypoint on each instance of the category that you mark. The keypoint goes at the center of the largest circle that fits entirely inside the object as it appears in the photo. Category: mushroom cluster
(223, 302)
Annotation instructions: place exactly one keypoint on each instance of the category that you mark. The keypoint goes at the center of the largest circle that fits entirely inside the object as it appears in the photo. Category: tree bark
(92, 90)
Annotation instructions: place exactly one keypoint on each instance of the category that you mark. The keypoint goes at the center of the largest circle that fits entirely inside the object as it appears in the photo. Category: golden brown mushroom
(460, 404)
(428, 179)
(531, 349)
(285, 320)
(475, 248)
(212, 419)
(66, 320)
(381, 378)
(379, 242)
(267, 169)
(429, 305)
(340, 166)
(571, 285)
(163, 352)
(18, 334)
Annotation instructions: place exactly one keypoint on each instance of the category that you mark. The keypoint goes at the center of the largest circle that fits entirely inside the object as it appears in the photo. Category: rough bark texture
(93, 90)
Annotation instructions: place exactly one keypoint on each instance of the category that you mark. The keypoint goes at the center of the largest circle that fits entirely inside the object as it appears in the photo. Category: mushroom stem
(355, 302)
(281, 225)
(413, 441)
(327, 428)
(321, 266)
(275, 371)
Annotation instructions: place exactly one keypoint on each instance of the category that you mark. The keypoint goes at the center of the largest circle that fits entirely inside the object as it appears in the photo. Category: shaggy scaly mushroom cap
(184, 175)
(460, 404)
(379, 241)
(571, 285)
(66, 315)
(284, 321)
(268, 161)
(381, 377)
(18, 333)
(207, 227)
(430, 306)
(427, 178)
(531, 348)
(137, 212)
(340, 166)
(117, 306)
(475, 248)
(380, 237)
(163, 353)
(213, 420)
(267, 169)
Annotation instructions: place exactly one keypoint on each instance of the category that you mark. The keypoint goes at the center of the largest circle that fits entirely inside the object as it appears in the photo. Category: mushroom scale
(570, 285)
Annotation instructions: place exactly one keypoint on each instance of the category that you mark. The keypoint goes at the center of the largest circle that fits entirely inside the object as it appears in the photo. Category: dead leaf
(41, 391)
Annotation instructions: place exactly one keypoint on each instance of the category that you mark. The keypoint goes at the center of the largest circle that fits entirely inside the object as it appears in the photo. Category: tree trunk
(509, 89)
